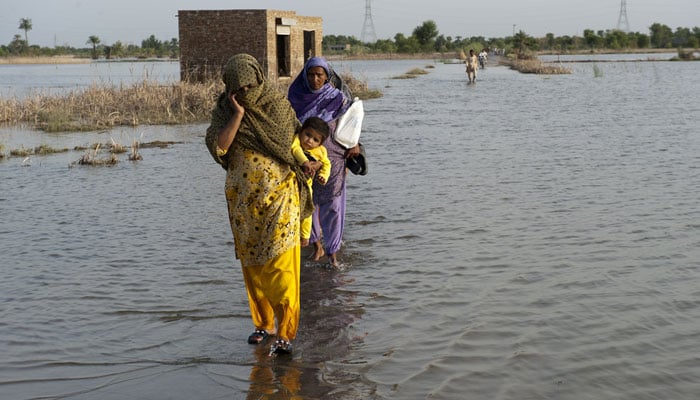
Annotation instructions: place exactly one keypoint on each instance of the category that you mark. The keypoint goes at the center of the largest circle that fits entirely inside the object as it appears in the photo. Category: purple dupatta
(326, 103)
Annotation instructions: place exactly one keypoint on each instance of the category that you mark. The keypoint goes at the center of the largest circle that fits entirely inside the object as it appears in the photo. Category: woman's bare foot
(332, 260)
(318, 252)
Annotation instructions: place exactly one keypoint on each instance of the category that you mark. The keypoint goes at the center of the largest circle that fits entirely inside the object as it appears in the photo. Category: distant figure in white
(483, 58)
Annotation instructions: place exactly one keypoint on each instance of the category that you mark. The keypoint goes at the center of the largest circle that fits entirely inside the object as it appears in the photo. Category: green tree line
(427, 39)
(150, 47)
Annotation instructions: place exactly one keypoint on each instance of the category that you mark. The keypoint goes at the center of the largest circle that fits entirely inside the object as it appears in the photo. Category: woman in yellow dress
(251, 134)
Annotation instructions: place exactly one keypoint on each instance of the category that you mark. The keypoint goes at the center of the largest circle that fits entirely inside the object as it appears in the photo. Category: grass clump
(44, 149)
(116, 148)
(538, 67)
(135, 155)
(21, 152)
(413, 73)
(530, 64)
(92, 158)
(359, 88)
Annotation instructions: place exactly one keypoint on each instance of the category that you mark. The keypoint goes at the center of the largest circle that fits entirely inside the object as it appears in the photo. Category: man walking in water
(472, 66)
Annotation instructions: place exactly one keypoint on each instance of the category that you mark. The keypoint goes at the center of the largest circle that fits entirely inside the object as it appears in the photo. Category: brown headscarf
(268, 125)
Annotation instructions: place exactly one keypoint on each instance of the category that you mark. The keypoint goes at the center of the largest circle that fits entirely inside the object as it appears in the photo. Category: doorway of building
(284, 63)
(309, 45)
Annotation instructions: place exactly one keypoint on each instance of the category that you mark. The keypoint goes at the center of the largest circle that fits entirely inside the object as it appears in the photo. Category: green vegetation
(150, 47)
(427, 39)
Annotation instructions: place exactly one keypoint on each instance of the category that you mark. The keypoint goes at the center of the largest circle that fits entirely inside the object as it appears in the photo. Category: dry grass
(135, 155)
(45, 150)
(101, 106)
(44, 60)
(534, 66)
(21, 152)
(116, 148)
(92, 158)
(417, 71)
(413, 73)
(359, 88)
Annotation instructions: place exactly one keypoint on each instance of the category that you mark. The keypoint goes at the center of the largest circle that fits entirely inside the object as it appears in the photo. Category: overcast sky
(71, 22)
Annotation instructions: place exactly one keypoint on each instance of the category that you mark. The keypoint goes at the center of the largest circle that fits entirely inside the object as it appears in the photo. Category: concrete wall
(208, 38)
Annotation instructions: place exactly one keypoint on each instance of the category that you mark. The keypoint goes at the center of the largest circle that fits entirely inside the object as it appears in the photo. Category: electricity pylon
(368, 34)
(622, 23)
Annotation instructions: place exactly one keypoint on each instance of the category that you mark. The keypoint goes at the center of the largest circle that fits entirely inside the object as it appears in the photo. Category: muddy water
(525, 237)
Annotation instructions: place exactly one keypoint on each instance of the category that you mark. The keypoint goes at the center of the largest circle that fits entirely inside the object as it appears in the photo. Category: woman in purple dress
(313, 95)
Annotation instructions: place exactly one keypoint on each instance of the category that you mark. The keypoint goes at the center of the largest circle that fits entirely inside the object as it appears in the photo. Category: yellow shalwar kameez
(265, 192)
(263, 207)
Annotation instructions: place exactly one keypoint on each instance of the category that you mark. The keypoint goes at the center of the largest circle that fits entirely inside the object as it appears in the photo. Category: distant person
(309, 152)
(251, 133)
(483, 58)
(472, 66)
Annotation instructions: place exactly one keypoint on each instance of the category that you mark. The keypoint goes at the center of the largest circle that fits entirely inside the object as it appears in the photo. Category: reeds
(92, 154)
(359, 88)
(135, 155)
(101, 106)
(92, 158)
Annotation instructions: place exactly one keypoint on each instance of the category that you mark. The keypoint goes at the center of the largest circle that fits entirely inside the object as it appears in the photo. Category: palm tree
(26, 25)
(94, 41)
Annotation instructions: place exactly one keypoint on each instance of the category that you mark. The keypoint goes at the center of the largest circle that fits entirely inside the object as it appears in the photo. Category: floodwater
(525, 237)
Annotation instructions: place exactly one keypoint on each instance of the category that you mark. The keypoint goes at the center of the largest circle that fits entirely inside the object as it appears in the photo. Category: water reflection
(274, 378)
(327, 311)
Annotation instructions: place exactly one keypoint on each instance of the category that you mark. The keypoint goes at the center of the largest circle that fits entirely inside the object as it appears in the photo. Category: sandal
(281, 346)
(258, 336)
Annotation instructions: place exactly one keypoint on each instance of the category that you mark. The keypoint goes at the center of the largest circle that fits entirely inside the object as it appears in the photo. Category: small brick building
(280, 40)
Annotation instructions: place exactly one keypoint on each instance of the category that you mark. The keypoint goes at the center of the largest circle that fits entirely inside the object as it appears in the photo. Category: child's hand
(321, 180)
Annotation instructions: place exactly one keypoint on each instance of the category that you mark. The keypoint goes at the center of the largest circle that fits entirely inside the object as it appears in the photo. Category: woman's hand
(311, 167)
(315, 166)
(353, 152)
(227, 134)
(237, 108)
